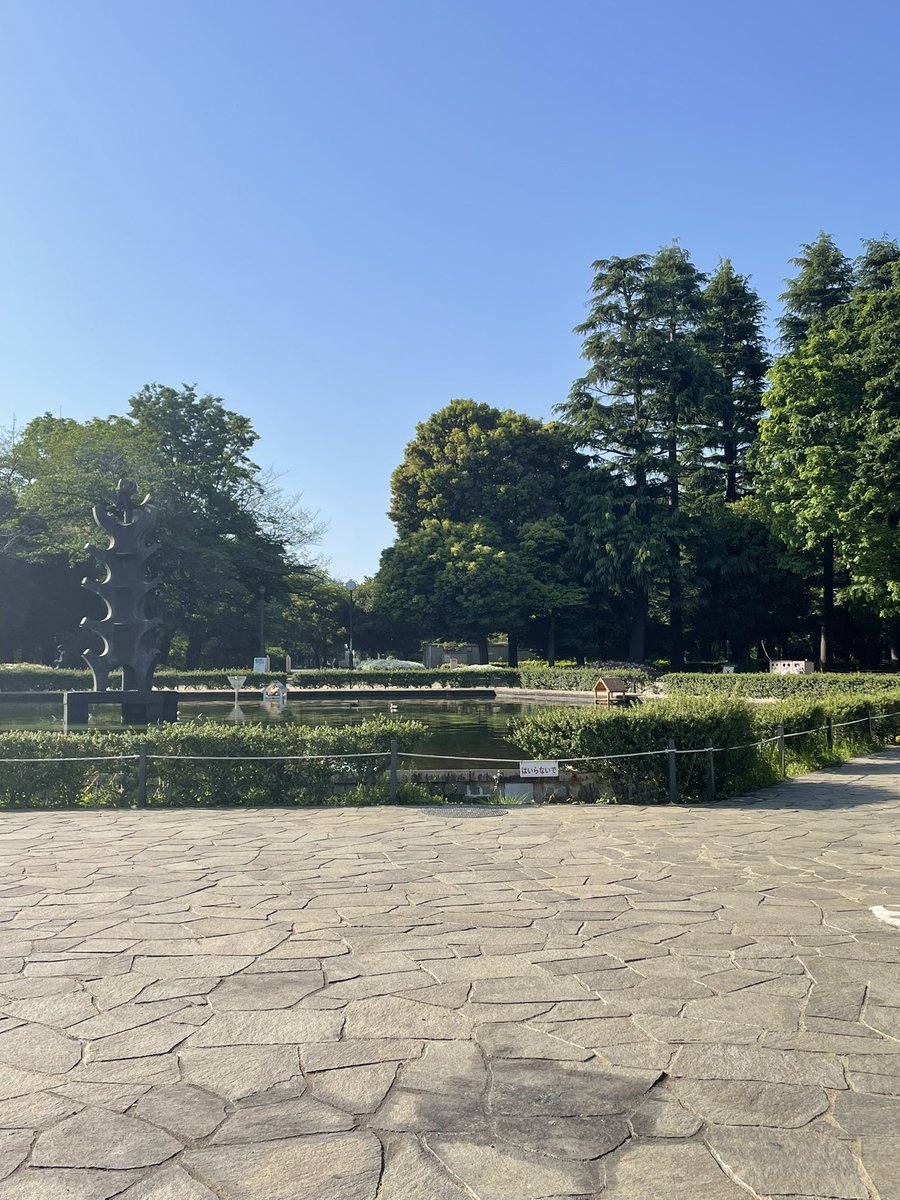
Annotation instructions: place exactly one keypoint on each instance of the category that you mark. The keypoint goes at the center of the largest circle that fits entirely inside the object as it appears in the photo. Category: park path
(406, 1004)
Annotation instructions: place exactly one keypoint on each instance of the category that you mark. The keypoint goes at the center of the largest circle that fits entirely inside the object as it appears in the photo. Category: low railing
(779, 742)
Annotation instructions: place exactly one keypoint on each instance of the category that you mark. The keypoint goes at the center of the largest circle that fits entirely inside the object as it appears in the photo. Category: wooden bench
(609, 690)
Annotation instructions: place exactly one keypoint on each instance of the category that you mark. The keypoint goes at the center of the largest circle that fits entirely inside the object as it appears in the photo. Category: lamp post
(351, 585)
(262, 622)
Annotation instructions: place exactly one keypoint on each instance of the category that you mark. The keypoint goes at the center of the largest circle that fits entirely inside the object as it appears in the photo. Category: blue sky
(340, 217)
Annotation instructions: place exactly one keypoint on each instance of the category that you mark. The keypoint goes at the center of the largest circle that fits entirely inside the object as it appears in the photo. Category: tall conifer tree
(732, 336)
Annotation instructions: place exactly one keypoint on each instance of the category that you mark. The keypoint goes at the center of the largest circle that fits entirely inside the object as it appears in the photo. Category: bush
(540, 677)
(565, 734)
(189, 781)
(18, 677)
(733, 726)
(762, 686)
(804, 722)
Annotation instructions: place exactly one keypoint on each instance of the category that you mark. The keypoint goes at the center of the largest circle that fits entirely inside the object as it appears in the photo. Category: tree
(479, 481)
(224, 536)
(637, 411)
(868, 328)
(823, 284)
(453, 581)
(731, 334)
(824, 281)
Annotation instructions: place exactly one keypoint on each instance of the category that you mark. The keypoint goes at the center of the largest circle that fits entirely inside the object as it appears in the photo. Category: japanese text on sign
(539, 769)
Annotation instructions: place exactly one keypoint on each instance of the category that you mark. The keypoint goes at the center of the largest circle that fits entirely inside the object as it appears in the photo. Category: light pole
(351, 585)
(262, 622)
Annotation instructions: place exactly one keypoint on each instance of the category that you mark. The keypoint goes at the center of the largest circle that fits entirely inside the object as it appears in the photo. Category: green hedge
(22, 677)
(29, 677)
(809, 749)
(580, 732)
(763, 686)
(409, 677)
(579, 679)
(730, 725)
(183, 782)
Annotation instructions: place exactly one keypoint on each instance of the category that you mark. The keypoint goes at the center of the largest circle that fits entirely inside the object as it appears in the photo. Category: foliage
(225, 530)
(20, 677)
(730, 331)
(483, 535)
(580, 679)
(744, 760)
(762, 686)
(187, 781)
(574, 733)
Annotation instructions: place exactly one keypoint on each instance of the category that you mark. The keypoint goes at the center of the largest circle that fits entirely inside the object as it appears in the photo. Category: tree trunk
(894, 643)
(165, 645)
(637, 646)
(512, 649)
(676, 614)
(825, 637)
(729, 448)
(551, 640)
(731, 492)
(192, 652)
(482, 650)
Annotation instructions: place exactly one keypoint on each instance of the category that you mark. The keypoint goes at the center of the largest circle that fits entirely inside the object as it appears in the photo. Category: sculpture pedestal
(138, 708)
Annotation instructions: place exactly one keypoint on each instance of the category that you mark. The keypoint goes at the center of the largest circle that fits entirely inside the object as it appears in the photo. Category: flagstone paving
(405, 1004)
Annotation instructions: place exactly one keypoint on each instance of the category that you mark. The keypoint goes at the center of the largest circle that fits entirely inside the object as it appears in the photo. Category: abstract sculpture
(125, 630)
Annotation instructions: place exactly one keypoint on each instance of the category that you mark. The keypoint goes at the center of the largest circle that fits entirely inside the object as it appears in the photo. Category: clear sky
(338, 217)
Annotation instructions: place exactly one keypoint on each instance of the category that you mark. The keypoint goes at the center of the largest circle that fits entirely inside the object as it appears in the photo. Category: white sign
(261, 665)
(539, 769)
(792, 666)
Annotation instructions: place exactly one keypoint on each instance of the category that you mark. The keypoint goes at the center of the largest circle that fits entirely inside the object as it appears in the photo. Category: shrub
(733, 726)
(762, 686)
(203, 773)
(580, 679)
(19, 677)
(565, 734)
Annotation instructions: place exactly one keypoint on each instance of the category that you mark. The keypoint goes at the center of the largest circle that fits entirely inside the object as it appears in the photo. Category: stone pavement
(404, 1004)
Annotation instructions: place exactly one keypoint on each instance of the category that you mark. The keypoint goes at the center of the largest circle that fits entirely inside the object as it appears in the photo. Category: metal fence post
(869, 730)
(829, 732)
(392, 792)
(142, 775)
(779, 729)
(673, 773)
(711, 764)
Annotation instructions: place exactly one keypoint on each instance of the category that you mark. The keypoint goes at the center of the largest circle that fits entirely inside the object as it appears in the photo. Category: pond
(469, 729)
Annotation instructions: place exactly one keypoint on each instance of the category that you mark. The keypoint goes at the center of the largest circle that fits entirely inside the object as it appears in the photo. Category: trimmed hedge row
(564, 734)
(729, 724)
(190, 783)
(579, 679)
(27, 678)
(762, 686)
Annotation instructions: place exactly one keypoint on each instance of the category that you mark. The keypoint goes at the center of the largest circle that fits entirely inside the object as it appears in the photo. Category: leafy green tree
(452, 580)
(731, 334)
(503, 477)
(824, 280)
(823, 284)
(868, 330)
(637, 411)
(224, 533)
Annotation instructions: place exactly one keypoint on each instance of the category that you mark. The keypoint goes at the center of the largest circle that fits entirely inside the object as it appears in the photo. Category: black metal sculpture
(125, 630)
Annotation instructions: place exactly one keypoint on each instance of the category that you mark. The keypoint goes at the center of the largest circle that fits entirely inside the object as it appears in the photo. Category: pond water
(467, 728)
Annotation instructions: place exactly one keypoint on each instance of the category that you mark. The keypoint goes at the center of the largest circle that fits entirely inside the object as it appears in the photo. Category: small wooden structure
(609, 690)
